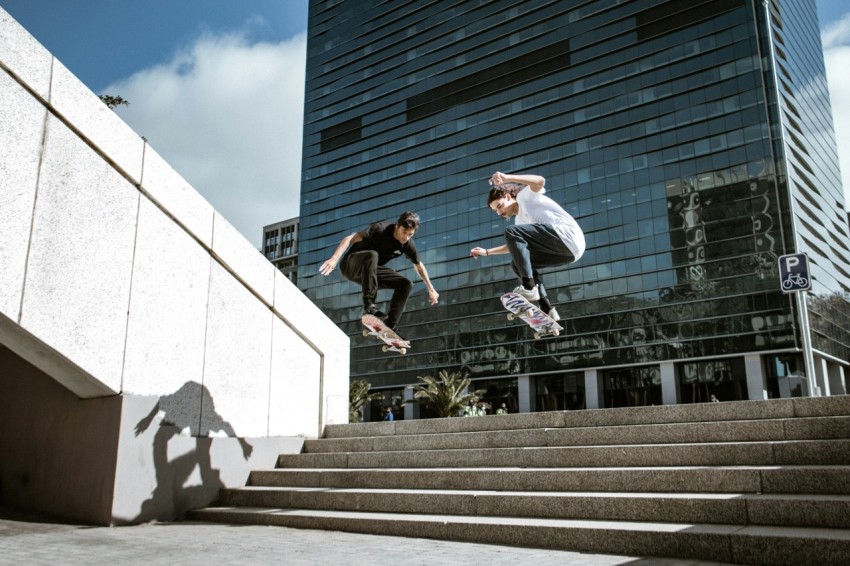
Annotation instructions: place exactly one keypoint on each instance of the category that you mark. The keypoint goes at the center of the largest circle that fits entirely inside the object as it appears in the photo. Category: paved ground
(26, 539)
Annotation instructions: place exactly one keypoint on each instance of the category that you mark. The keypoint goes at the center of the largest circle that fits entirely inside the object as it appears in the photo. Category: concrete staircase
(751, 482)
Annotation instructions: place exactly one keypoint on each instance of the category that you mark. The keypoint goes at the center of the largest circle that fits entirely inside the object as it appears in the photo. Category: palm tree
(446, 394)
(358, 395)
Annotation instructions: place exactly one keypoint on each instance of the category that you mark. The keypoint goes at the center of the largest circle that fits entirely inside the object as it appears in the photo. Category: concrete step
(824, 511)
(780, 453)
(764, 482)
(721, 543)
(680, 479)
(836, 427)
(663, 414)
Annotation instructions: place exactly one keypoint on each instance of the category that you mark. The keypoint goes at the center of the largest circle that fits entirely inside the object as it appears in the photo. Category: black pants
(362, 268)
(534, 246)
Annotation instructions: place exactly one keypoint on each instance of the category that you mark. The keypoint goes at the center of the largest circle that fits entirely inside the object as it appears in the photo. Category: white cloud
(227, 114)
(837, 33)
(836, 46)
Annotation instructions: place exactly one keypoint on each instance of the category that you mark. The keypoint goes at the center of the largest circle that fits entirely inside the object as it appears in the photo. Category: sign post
(794, 277)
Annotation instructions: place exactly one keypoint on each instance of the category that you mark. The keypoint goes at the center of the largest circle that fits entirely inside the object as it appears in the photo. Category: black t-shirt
(379, 237)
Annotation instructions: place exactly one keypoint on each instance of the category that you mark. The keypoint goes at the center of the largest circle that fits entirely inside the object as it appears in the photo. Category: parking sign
(794, 273)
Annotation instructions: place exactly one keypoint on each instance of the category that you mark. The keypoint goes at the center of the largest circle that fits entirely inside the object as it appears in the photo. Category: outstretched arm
(536, 182)
(329, 265)
(143, 424)
(476, 252)
(433, 295)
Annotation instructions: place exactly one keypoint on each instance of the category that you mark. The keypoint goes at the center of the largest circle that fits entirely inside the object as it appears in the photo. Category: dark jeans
(534, 246)
(362, 268)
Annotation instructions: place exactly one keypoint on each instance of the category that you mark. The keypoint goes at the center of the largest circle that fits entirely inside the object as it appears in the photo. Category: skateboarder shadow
(181, 414)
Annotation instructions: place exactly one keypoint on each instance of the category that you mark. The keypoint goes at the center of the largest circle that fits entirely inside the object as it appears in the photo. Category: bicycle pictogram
(794, 281)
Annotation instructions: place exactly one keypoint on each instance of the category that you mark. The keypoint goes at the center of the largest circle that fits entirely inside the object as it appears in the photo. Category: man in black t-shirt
(363, 263)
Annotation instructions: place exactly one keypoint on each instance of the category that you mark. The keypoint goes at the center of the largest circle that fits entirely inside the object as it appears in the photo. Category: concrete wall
(119, 279)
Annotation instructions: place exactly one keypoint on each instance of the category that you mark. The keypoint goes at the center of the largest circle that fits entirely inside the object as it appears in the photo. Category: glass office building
(691, 139)
(280, 246)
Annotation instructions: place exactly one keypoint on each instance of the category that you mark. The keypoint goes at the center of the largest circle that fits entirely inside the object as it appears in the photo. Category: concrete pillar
(594, 389)
(821, 376)
(411, 410)
(756, 384)
(836, 377)
(526, 393)
(670, 391)
(785, 387)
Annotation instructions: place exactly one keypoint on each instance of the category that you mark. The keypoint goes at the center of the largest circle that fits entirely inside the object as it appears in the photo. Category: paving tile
(36, 542)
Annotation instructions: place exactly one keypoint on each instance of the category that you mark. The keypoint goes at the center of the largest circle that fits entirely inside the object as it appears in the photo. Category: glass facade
(692, 140)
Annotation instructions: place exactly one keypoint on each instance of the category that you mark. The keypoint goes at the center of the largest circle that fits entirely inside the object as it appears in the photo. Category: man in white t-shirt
(543, 234)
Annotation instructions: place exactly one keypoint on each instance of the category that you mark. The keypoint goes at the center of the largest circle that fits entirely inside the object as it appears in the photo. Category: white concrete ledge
(166, 187)
(235, 253)
(51, 362)
(24, 57)
(20, 143)
(119, 277)
(71, 100)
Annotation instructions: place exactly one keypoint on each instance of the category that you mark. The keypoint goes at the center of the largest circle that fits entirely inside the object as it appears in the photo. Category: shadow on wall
(185, 476)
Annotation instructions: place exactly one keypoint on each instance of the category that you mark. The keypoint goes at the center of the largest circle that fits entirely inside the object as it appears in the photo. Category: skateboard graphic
(392, 341)
(540, 322)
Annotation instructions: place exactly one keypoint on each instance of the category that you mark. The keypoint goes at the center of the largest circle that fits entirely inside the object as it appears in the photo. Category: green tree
(446, 394)
(113, 101)
(358, 395)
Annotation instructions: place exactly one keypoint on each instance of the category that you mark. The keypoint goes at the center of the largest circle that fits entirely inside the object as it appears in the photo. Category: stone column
(756, 384)
(670, 391)
(822, 375)
(594, 390)
(526, 393)
(411, 410)
(837, 379)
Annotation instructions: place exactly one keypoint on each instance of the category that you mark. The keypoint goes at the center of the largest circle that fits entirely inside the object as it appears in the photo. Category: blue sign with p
(794, 273)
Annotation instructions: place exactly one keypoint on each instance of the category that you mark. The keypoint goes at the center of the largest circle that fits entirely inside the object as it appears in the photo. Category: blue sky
(102, 41)
(217, 86)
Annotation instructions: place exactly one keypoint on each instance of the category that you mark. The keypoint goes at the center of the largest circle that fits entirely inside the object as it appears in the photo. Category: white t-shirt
(536, 208)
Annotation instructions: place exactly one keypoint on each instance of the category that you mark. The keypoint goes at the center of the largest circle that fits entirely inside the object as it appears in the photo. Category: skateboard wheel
(556, 332)
(511, 316)
(403, 351)
(384, 348)
(365, 333)
(529, 313)
(537, 336)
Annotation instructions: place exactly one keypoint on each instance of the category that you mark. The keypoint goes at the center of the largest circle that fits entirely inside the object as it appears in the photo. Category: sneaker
(553, 314)
(528, 294)
(374, 311)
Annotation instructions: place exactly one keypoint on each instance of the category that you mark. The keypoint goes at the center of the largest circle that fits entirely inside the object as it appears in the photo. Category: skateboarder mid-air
(363, 263)
(543, 235)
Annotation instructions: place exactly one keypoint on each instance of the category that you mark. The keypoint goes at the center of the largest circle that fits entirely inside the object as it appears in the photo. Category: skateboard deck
(392, 341)
(519, 307)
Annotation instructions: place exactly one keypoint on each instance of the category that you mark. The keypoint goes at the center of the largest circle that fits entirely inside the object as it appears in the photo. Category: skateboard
(392, 341)
(540, 322)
